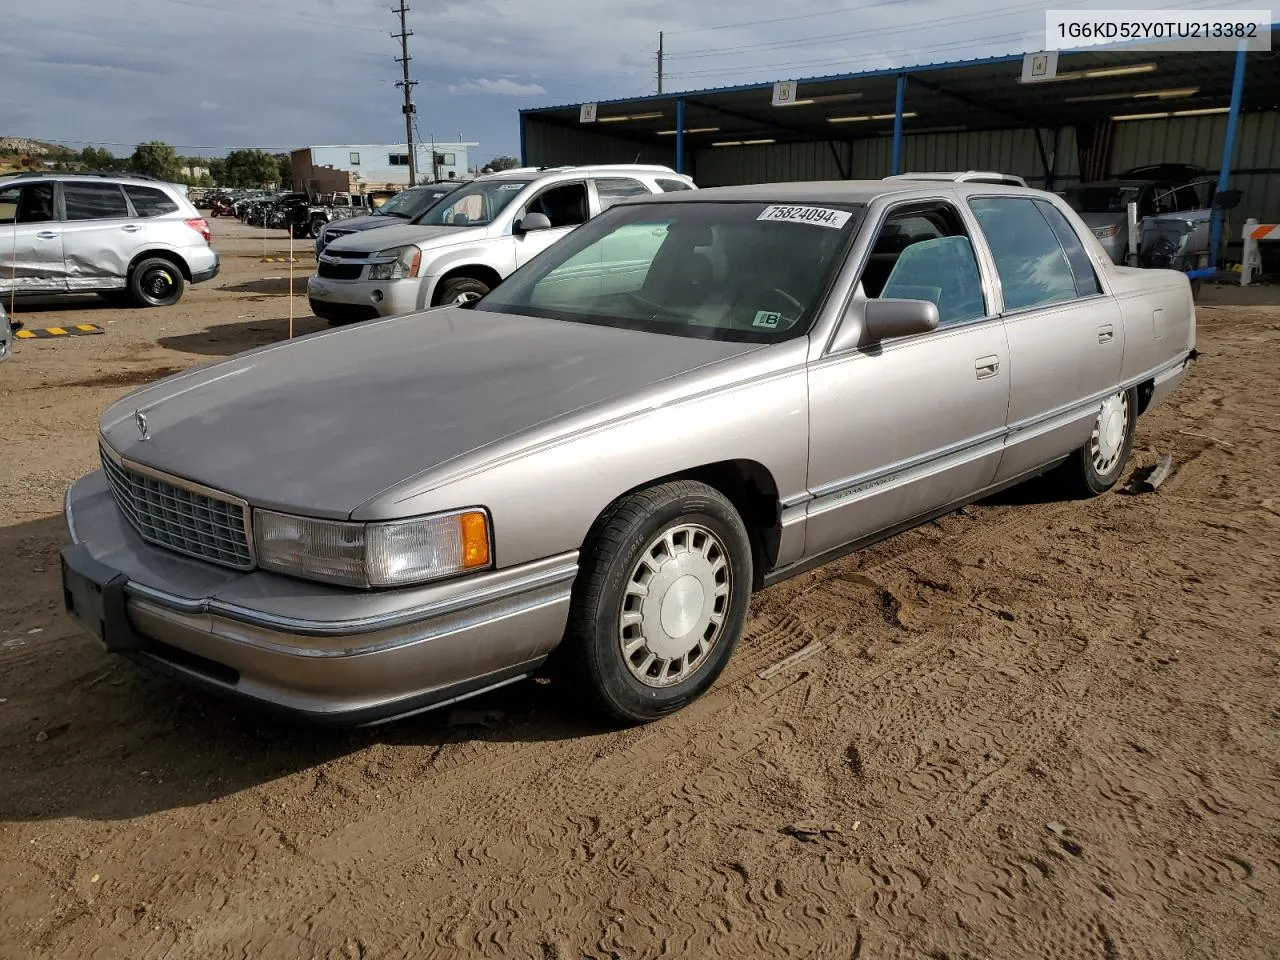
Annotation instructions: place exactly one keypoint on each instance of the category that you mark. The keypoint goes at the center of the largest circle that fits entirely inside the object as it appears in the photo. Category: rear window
(150, 202)
(671, 186)
(94, 201)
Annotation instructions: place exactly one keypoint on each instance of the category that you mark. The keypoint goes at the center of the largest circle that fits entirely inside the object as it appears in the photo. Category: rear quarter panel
(545, 488)
(1159, 318)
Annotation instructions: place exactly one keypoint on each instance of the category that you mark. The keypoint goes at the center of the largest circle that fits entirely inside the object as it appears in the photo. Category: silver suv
(119, 235)
(471, 240)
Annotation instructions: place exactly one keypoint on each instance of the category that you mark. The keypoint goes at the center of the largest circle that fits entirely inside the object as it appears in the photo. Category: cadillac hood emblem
(140, 419)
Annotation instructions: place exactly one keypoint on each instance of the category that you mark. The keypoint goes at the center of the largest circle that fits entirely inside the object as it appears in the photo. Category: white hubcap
(466, 297)
(674, 605)
(1109, 432)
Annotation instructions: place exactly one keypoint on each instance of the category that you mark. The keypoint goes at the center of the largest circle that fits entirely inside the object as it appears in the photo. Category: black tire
(315, 227)
(455, 290)
(156, 282)
(1088, 472)
(592, 658)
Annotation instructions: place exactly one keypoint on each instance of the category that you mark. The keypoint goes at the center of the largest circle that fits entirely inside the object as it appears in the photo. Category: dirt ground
(1035, 728)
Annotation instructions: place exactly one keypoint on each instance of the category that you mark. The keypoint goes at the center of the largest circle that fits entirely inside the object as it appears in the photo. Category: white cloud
(502, 87)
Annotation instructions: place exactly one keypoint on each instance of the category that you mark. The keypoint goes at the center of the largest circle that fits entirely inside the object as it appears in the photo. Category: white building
(378, 165)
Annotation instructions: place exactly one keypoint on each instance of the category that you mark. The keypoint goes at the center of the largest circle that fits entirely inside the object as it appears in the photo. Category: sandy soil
(1036, 728)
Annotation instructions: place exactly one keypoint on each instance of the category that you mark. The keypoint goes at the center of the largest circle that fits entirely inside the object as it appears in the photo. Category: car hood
(367, 222)
(397, 235)
(323, 423)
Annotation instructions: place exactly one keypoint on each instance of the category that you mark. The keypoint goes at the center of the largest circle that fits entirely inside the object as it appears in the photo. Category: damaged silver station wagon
(689, 397)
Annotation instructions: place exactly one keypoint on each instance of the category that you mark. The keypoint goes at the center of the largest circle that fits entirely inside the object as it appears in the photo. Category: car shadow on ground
(227, 339)
(87, 734)
(50, 304)
(277, 285)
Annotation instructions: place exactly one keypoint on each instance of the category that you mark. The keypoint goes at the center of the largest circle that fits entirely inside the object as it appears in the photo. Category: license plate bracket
(94, 596)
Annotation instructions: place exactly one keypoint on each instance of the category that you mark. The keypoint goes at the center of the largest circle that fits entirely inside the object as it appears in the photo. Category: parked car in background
(464, 245)
(405, 206)
(966, 176)
(687, 398)
(115, 234)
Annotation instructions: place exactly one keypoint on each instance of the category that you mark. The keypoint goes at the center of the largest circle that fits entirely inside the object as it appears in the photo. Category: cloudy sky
(208, 75)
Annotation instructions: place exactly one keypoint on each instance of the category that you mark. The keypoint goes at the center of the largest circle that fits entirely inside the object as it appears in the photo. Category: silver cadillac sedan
(685, 400)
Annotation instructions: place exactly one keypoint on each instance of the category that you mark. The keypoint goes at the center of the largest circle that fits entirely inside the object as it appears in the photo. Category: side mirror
(532, 221)
(1227, 199)
(886, 319)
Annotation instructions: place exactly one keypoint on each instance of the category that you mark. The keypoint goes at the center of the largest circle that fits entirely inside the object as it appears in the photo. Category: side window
(612, 189)
(924, 253)
(1081, 267)
(672, 186)
(1032, 265)
(94, 201)
(150, 202)
(1188, 198)
(354, 158)
(29, 204)
(565, 205)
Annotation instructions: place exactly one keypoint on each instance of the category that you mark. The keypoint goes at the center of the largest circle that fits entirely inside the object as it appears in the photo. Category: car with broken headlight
(686, 399)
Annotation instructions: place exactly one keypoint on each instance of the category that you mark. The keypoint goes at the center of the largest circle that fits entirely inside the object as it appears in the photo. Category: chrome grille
(181, 517)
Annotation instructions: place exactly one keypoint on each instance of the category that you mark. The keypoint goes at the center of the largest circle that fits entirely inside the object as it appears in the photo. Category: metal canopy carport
(1094, 91)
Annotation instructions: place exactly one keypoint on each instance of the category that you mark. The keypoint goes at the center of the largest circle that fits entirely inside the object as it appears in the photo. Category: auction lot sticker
(821, 216)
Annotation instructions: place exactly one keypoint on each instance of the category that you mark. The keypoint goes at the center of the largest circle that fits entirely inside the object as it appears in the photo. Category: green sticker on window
(767, 319)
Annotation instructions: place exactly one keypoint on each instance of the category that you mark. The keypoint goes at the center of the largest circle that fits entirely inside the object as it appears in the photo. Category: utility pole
(659, 61)
(407, 85)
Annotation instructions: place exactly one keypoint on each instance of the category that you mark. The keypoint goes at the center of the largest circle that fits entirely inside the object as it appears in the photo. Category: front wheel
(1096, 467)
(661, 601)
(315, 228)
(460, 290)
(156, 283)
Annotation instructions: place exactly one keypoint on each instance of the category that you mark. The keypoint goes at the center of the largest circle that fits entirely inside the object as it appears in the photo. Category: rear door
(100, 235)
(31, 240)
(1066, 335)
(566, 205)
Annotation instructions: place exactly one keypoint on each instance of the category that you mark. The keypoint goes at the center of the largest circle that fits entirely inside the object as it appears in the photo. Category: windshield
(407, 204)
(473, 205)
(753, 271)
(1102, 199)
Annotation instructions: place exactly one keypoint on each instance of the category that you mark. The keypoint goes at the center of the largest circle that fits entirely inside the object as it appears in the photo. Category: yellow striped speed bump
(46, 333)
(281, 260)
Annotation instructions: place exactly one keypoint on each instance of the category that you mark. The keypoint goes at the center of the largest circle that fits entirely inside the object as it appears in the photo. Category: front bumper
(308, 650)
(386, 298)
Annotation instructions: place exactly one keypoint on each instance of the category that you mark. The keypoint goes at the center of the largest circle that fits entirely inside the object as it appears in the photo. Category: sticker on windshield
(822, 216)
(767, 319)
(510, 186)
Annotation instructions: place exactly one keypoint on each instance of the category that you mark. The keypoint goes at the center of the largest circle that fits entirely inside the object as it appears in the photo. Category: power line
(255, 12)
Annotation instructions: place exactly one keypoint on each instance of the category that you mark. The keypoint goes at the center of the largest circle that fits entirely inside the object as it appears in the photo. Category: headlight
(392, 554)
(406, 264)
(1106, 233)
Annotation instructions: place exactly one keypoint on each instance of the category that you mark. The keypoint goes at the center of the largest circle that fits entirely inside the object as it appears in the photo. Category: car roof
(837, 191)
(590, 170)
(79, 174)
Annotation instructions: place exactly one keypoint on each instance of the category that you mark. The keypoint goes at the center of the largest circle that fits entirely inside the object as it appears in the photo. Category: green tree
(95, 158)
(498, 164)
(218, 171)
(286, 170)
(250, 168)
(156, 159)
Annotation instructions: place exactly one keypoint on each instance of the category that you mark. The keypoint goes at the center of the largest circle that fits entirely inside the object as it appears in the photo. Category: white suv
(115, 234)
(469, 241)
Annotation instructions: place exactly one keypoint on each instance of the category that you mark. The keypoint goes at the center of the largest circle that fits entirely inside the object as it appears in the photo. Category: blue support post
(1228, 151)
(680, 135)
(899, 98)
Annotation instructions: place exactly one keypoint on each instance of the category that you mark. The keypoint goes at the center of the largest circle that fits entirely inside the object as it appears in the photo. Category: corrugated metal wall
(1195, 140)
(547, 145)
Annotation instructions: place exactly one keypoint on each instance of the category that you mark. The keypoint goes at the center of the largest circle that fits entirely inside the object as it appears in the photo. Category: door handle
(47, 235)
(1106, 334)
(131, 228)
(986, 367)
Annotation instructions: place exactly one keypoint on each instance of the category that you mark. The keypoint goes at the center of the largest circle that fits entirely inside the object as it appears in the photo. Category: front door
(100, 237)
(566, 205)
(1066, 334)
(905, 427)
(30, 240)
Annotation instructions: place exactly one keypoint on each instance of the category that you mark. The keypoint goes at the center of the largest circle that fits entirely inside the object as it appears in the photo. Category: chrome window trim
(190, 486)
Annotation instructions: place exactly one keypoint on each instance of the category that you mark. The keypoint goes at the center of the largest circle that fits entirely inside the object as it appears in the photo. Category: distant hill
(33, 148)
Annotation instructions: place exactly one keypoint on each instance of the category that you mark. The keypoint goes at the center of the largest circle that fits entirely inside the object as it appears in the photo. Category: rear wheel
(461, 290)
(315, 227)
(1097, 466)
(660, 603)
(156, 283)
